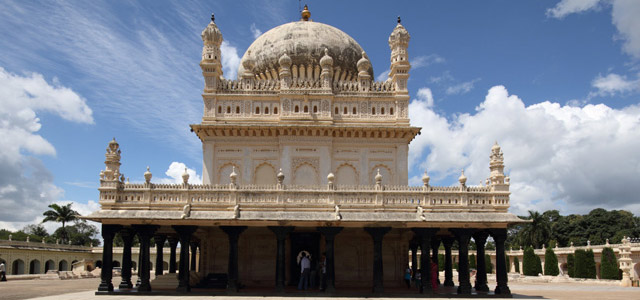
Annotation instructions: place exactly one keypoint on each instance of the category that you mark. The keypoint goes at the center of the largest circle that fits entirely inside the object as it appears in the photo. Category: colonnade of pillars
(145, 233)
(425, 239)
(428, 242)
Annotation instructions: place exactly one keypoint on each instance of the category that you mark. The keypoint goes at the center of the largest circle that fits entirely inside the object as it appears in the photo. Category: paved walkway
(84, 289)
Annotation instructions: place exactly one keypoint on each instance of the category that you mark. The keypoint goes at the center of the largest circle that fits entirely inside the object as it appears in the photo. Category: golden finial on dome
(306, 14)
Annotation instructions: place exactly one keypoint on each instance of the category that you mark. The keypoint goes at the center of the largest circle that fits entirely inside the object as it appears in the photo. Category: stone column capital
(329, 233)
(281, 232)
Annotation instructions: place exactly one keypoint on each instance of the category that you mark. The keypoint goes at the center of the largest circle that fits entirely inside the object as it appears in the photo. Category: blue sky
(556, 83)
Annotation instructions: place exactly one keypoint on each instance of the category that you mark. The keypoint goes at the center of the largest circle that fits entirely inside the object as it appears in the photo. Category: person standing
(407, 277)
(323, 271)
(3, 272)
(305, 269)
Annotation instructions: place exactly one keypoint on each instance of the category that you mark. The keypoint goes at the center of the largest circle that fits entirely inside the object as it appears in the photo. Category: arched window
(237, 109)
(354, 110)
(336, 111)
(228, 109)
(306, 109)
(257, 110)
(345, 110)
(391, 111)
(296, 109)
(266, 110)
(373, 110)
(275, 110)
(382, 111)
(315, 109)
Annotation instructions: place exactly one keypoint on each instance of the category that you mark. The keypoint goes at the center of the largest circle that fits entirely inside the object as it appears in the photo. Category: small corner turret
(496, 165)
(211, 61)
(112, 162)
(399, 70)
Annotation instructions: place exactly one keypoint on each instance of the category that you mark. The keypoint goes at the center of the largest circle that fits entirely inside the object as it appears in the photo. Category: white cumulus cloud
(614, 83)
(175, 171)
(25, 182)
(558, 157)
(230, 60)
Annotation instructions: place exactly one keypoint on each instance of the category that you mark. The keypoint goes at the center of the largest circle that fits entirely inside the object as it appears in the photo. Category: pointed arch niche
(264, 174)
(225, 171)
(387, 176)
(346, 174)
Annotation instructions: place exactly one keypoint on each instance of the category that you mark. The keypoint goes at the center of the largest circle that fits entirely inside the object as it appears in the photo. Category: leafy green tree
(537, 232)
(530, 262)
(516, 264)
(36, 229)
(571, 266)
(81, 233)
(550, 263)
(440, 262)
(61, 214)
(609, 265)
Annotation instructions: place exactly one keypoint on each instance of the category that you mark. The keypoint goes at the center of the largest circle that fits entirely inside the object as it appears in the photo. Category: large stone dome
(304, 42)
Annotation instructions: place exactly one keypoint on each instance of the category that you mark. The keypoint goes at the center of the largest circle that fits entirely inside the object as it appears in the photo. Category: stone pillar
(500, 236)
(281, 233)
(448, 265)
(184, 234)
(233, 232)
(463, 236)
(173, 243)
(329, 234)
(108, 232)
(424, 237)
(413, 245)
(377, 233)
(127, 237)
(159, 240)
(435, 244)
(481, 275)
(145, 232)
(194, 254)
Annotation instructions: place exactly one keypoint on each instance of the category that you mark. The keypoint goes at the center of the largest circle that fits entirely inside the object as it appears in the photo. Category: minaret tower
(112, 162)
(496, 165)
(399, 71)
(210, 63)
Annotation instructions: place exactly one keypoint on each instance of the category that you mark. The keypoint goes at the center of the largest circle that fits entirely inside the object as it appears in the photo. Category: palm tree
(61, 214)
(537, 232)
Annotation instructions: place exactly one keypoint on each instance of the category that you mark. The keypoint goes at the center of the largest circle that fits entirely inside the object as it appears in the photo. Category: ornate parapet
(301, 198)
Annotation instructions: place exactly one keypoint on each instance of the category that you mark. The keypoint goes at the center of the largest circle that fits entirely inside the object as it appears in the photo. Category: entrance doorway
(303, 241)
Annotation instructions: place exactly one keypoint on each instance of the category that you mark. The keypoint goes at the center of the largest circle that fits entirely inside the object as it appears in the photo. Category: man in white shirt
(305, 269)
(3, 272)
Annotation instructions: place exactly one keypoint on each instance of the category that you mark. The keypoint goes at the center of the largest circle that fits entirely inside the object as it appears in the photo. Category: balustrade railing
(119, 195)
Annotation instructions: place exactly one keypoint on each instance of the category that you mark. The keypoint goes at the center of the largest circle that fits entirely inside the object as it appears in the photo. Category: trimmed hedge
(488, 266)
(472, 262)
(609, 265)
(591, 265)
(551, 263)
(570, 265)
(531, 263)
(584, 264)
(440, 262)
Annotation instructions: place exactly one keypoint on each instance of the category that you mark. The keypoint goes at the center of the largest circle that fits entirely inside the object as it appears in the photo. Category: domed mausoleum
(304, 154)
